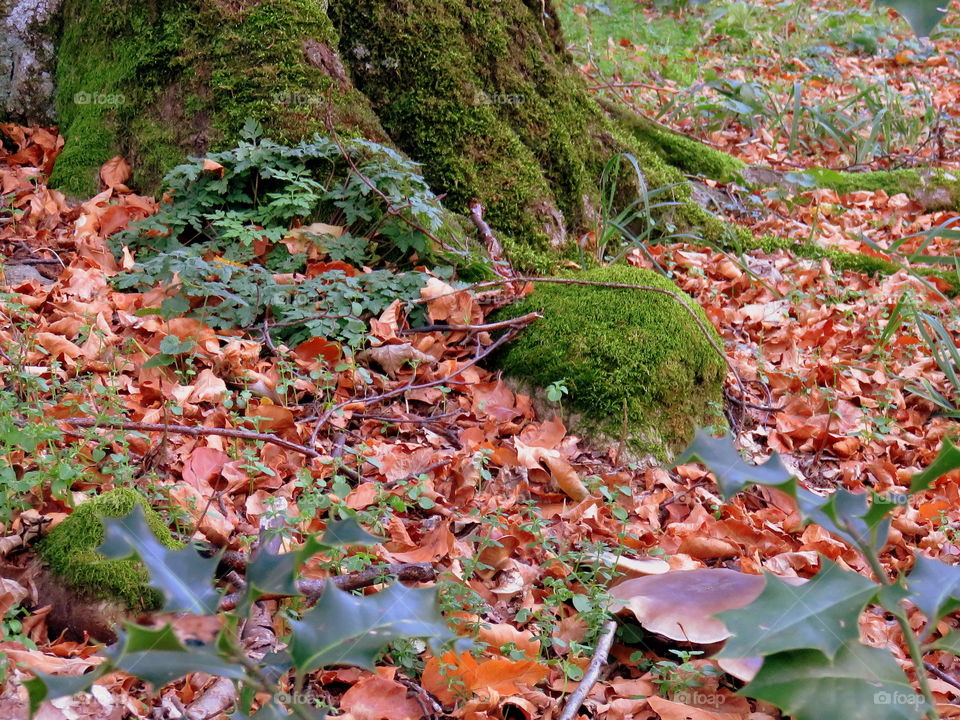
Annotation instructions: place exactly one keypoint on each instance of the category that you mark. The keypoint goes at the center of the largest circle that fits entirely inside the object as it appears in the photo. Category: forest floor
(461, 473)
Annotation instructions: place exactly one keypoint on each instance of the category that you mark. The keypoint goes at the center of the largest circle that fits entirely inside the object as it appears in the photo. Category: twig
(312, 589)
(598, 660)
(509, 335)
(415, 419)
(513, 322)
(193, 432)
(949, 679)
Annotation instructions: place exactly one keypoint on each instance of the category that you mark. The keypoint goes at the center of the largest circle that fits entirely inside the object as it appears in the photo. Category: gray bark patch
(28, 60)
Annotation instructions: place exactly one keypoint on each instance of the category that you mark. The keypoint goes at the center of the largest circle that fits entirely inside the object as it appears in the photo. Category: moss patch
(156, 82)
(69, 551)
(623, 352)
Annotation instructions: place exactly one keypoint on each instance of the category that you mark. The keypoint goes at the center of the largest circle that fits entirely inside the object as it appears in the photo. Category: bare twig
(481, 354)
(949, 679)
(597, 662)
(193, 432)
(512, 322)
(312, 589)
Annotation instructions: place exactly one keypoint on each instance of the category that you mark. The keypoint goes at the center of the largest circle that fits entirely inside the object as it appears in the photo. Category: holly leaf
(947, 459)
(934, 588)
(183, 577)
(346, 629)
(949, 642)
(862, 683)
(848, 515)
(733, 474)
(347, 532)
(158, 657)
(50, 687)
(821, 614)
(922, 15)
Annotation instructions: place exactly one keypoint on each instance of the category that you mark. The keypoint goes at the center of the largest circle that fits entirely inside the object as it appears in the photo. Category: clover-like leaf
(732, 472)
(183, 577)
(947, 459)
(820, 614)
(862, 683)
(345, 629)
(934, 588)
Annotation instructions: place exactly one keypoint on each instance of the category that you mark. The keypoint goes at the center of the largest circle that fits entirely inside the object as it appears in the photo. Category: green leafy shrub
(221, 235)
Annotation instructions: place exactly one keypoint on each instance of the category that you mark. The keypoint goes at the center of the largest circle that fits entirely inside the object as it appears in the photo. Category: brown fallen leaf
(392, 357)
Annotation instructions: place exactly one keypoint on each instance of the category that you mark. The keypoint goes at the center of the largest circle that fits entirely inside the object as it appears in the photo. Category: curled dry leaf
(392, 357)
(115, 172)
(680, 605)
(635, 566)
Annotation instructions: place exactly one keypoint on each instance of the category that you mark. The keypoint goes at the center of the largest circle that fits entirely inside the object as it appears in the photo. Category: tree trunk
(481, 92)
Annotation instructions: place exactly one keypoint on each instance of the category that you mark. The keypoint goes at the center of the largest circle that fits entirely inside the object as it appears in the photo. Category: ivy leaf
(923, 15)
(934, 588)
(158, 657)
(183, 577)
(346, 629)
(862, 683)
(820, 614)
(732, 472)
(947, 459)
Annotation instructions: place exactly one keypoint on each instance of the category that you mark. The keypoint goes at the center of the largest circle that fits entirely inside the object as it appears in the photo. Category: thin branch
(312, 589)
(597, 662)
(509, 335)
(193, 432)
(949, 679)
(512, 322)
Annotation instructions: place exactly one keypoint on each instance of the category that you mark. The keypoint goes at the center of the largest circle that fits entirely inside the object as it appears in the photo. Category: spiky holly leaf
(947, 459)
(922, 15)
(50, 687)
(862, 683)
(347, 532)
(158, 657)
(934, 588)
(848, 515)
(733, 474)
(345, 629)
(949, 642)
(820, 614)
(183, 577)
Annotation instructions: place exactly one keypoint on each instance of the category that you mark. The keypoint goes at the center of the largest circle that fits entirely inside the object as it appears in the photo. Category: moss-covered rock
(626, 355)
(69, 552)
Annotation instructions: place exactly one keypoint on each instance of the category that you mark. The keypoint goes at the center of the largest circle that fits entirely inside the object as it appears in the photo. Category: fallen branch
(949, 679)
(512, 322)
(312, 589)
(193, 432)
(597, 662)
(480, 355)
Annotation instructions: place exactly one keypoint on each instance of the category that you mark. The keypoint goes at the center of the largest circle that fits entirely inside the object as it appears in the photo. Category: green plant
(341, 629)
(807, 635)
(240, 221)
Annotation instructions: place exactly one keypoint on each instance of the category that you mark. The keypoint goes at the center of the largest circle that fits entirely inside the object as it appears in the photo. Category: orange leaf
(377, 698)
(115, 172)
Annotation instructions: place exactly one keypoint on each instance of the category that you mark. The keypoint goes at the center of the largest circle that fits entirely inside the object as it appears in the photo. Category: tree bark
(482, 92)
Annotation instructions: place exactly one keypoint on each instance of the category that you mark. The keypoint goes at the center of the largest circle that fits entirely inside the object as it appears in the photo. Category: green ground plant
(813, 650)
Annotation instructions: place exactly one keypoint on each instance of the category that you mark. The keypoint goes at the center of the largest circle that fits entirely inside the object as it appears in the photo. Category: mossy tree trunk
(481, 92)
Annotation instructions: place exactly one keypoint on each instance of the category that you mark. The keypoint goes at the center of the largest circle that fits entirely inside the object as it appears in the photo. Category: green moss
(689, 156)
(622, 352)
(890, 181)
(69, 551)
(181, 79)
